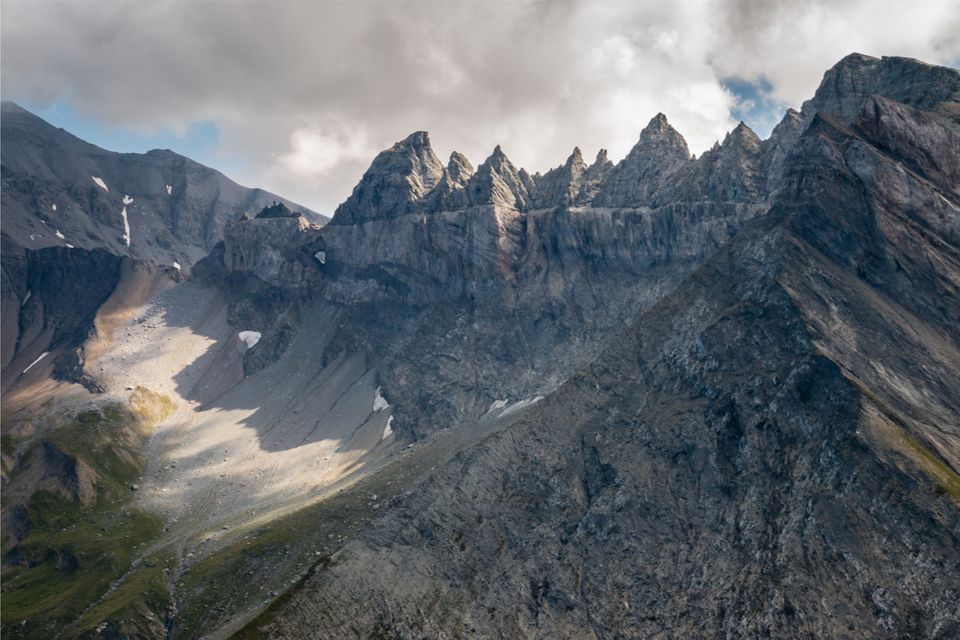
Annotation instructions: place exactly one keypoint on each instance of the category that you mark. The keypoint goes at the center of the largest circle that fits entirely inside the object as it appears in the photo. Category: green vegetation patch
(69, 558)
(65, 573)
(947, 481)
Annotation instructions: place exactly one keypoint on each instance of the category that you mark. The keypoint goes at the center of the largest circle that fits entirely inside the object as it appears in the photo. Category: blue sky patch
(199, 141)
(755, 104)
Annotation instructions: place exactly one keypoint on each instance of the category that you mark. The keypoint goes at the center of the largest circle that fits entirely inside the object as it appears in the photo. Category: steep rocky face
(851, 82)
(50, 297)
(560, 187)
(59, 191)
(268, 247)
(730, 172)
(499, 183)
(650, 165)
(485, 291)
(769, 450)
(70, 212)
(396, 181)
(450, 193)
(781, 141)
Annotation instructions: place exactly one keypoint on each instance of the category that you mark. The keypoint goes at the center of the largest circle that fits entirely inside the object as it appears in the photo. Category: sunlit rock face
(396, 181)
(671, 396)
(778, 322)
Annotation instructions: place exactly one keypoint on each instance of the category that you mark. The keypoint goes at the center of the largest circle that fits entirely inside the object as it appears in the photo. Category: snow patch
(54, 207)
(60, 235)
(520, 404)
(26, 297)
(41, 357)
(496, 404)
(321, 257)
(100, 183)
(69, 246)
(379, 402)
(169, 190)
(127, 199)
(176, 265)
(249, 338)
(387, 429)
(126, 227)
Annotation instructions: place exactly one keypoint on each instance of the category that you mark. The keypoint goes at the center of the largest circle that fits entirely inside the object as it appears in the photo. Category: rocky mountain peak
(561, 185)
(576, 158)
(497, 181)
(659, 153)
(395, 183)
(416, 139)
(848, 84)
(593, 177)
(742, 137)
(459, 168)
(659, 132)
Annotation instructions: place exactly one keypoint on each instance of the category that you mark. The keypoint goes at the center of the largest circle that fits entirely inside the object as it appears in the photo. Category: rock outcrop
(159, 207)
(450, 193)
(561, 186)
(498, 182)
(395, 183)
(649, 167)
(594, 177)
(770, 450)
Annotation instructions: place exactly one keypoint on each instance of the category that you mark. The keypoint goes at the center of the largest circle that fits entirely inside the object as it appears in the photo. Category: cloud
(315, 151)
(304, 94)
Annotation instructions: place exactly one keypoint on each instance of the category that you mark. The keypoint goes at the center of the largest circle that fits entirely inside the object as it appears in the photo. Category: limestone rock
(652, 163)
(450, 193)
(395, 183)
(593, 178)
(561, 186)
(498, 182)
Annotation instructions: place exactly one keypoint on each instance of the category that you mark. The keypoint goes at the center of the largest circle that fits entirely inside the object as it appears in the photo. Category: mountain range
(675, 396)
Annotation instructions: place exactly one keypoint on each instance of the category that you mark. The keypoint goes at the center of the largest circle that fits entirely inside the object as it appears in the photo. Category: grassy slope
(73, 553)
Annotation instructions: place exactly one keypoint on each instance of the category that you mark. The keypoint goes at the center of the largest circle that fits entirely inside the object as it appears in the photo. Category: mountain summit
(668, 397)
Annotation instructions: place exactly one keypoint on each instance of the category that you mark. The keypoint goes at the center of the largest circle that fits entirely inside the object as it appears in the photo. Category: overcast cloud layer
(305, 94)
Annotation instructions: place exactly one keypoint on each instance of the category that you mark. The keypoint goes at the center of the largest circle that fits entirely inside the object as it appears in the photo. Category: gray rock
(395, 183)
(649, 167)
(770, 450)
(560, 187)
(450, 192)
(498, 182)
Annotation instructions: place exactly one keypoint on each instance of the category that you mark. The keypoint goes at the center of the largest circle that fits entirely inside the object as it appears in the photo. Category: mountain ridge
(480, 405)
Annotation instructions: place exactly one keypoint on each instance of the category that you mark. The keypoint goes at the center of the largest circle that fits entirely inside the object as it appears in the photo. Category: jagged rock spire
(559, 186)
(636, 179)
(450, 193)
(459, 168)
(498, 182)
(395, 183)
(848, 85)
(593, 177)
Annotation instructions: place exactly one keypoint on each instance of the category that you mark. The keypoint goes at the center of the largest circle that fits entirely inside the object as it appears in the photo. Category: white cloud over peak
(304, 94)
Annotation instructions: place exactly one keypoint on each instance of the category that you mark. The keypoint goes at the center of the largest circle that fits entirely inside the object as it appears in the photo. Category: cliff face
(72, 210)
(671, 396)
(770, 450)
(529, 274)
(159, 207)
(461, 309)
(398, 178)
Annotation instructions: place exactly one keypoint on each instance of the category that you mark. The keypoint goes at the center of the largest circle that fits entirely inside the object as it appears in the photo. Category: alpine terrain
(667, 397)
